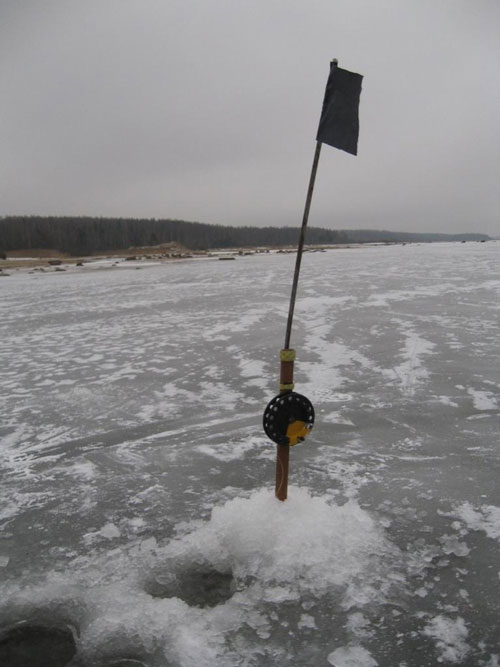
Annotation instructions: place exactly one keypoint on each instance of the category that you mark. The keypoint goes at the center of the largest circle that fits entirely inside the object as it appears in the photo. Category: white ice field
(138, 519)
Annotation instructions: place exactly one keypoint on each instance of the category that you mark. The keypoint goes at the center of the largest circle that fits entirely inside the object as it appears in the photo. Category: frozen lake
(138, 524)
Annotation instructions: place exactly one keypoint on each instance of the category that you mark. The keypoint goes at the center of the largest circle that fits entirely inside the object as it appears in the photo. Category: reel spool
(288, 418)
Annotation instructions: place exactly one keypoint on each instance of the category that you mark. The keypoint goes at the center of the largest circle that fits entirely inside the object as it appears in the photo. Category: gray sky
(208, 109)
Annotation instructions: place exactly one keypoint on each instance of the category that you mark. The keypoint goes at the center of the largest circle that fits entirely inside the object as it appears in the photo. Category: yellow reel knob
(297, 431)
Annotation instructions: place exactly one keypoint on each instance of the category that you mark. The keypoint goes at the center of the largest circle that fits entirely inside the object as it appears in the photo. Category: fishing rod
(289, 416)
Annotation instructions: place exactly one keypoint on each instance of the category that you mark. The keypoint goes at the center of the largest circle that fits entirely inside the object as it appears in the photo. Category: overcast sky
(208, 109)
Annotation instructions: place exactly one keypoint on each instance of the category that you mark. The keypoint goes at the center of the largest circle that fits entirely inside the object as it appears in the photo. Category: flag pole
(289, 416)
(287, 355)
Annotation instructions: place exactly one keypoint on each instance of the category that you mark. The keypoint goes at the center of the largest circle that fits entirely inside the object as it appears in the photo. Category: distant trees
(86, 235)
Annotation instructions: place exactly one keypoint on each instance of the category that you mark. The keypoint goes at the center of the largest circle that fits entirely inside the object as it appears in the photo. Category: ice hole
(197, 585)
(36, 646)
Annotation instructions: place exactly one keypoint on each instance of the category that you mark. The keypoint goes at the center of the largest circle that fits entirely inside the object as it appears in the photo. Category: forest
(82, 236)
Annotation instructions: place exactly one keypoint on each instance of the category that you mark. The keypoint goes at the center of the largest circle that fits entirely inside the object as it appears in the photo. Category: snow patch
(351, 656)
(109, 532)
(233, 449)
(483, 400)
(411, 372)
(485, 518)
(450, 637)
(446, 400)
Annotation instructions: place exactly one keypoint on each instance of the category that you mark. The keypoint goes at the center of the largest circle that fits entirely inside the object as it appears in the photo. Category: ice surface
(136, 501)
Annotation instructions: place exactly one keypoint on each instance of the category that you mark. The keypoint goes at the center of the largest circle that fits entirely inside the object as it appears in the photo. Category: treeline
(87, 236)
(379, 236)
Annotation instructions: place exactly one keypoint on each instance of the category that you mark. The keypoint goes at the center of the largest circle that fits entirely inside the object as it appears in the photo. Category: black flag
(339, 123)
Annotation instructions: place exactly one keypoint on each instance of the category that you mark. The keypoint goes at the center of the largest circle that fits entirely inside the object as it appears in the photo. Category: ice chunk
(359, 625)
(452, 545)
(483, 400)
(422, 592)
(109, 531)
(450, 636)
(307, 621)
(486, 518)
(351, 656)
(149, 544)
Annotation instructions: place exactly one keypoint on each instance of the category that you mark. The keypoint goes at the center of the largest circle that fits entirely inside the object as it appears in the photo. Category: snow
(412, 371)
(450, 636)
(485, 518)
(483, 400)
(307, 622)
(305, 548)
(306, 545)
(351, 656)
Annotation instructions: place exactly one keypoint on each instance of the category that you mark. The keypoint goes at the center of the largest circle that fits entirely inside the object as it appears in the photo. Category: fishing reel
(288, 418)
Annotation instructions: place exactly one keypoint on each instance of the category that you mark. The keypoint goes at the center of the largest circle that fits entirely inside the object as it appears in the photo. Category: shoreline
(50, 261)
